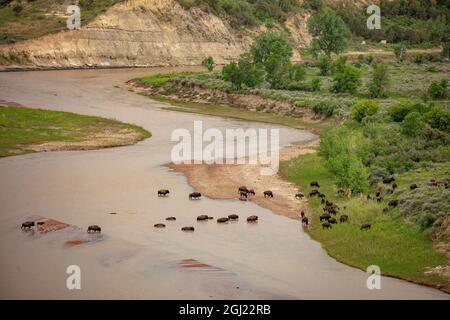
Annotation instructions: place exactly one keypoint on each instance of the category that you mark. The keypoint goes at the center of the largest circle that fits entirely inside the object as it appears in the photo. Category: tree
(347, 80)
(209, 63)
(273, 51)
(324, 65)
(269, 45)
(380, 80)
(329, 32)
(244, 72)
(364, 108)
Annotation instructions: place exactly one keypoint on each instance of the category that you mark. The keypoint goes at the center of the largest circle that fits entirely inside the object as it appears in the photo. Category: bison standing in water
(94, 228)
(171, 218)
(222, 220)
(159, 225)
(268, 194)
(27, 225)
(187, 229)
(195, 196)
(163, 193)
(252, 219)
(202, 217)
(233, 217)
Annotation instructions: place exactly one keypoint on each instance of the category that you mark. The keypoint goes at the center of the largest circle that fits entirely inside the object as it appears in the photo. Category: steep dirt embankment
(139, 33)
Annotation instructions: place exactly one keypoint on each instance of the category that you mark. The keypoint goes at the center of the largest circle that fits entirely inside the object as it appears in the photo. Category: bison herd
(244, 193)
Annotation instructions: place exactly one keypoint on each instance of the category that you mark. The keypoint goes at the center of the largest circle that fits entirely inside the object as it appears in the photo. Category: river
(273, 259)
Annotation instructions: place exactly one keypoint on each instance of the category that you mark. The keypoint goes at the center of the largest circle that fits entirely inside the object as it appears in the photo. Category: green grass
(22, 127)
(400, 249)
(225, 111)
(162, 78)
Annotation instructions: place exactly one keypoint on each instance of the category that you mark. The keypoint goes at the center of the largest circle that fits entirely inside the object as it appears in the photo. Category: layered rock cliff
(139, 33)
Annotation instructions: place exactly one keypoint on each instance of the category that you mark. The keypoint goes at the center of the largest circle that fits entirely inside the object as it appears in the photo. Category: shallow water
(271, 259)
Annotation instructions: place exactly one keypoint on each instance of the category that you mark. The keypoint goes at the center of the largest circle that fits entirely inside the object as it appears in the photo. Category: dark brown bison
(251, 192)
(341, 192)
(314, 184)
(305, 221)
(242, 189)
(94, 228)
(163, 193)
(299, 196)
(343, 218)
(393, 203)
(326, 225)
(413, 186)
(332, 220)
(325, 217)
(233, 217)
(268, 194)
(202, 217)
(187, 229)
(394, 186)
(366, 226)
(252, 219)
(379, 198)
(159, 225)
(387, 180)
(243, 194)
(27, 225)
(302, 214)
(222, 220)
(195, 196)
(314, 192)
(171, 218)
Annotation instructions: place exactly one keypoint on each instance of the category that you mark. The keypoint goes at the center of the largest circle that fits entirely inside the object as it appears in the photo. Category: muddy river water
(273, 259)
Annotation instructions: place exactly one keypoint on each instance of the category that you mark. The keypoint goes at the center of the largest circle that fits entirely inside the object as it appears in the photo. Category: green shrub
(412, 124)
(419, 58)
(297, 72)
(364, 108)
(400, 110)
(325, 108)
(209, 63)
(438, 118)
(438, 90)
(380, 80)
(400, 52)
(316, 84)
(324, 64)
(347, 80)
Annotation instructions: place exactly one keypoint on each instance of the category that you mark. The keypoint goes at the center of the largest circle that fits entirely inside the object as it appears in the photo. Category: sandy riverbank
(221, 181)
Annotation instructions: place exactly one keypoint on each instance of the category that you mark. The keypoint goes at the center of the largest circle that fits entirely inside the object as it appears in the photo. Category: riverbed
(273, 259)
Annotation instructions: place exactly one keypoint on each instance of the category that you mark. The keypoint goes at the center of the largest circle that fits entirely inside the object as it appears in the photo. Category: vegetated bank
(24, 130)
(386, 165)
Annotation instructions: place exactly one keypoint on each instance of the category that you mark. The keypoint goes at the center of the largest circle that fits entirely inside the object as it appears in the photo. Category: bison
(325, 217)
(233, 217)
(413, 186)
(302, 214)
(222, 220)
(332, 220)
(388, 180)
(268, 194)
(159, 225)
(187, 229)
(195, 196)
(314, 184)
(202, 217)
(163, 193)
(252, 219)
(314, 192)
(393, 203)
(94, 229)
(251, 192)
(171, 218)
(299, 196)
(305, 221)
(366, 226)
(343, 218)
(326, 225)
(242, 189)
(27, 225)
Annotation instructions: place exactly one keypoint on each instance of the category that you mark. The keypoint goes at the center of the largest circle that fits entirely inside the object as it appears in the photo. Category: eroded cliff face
(139, 33)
